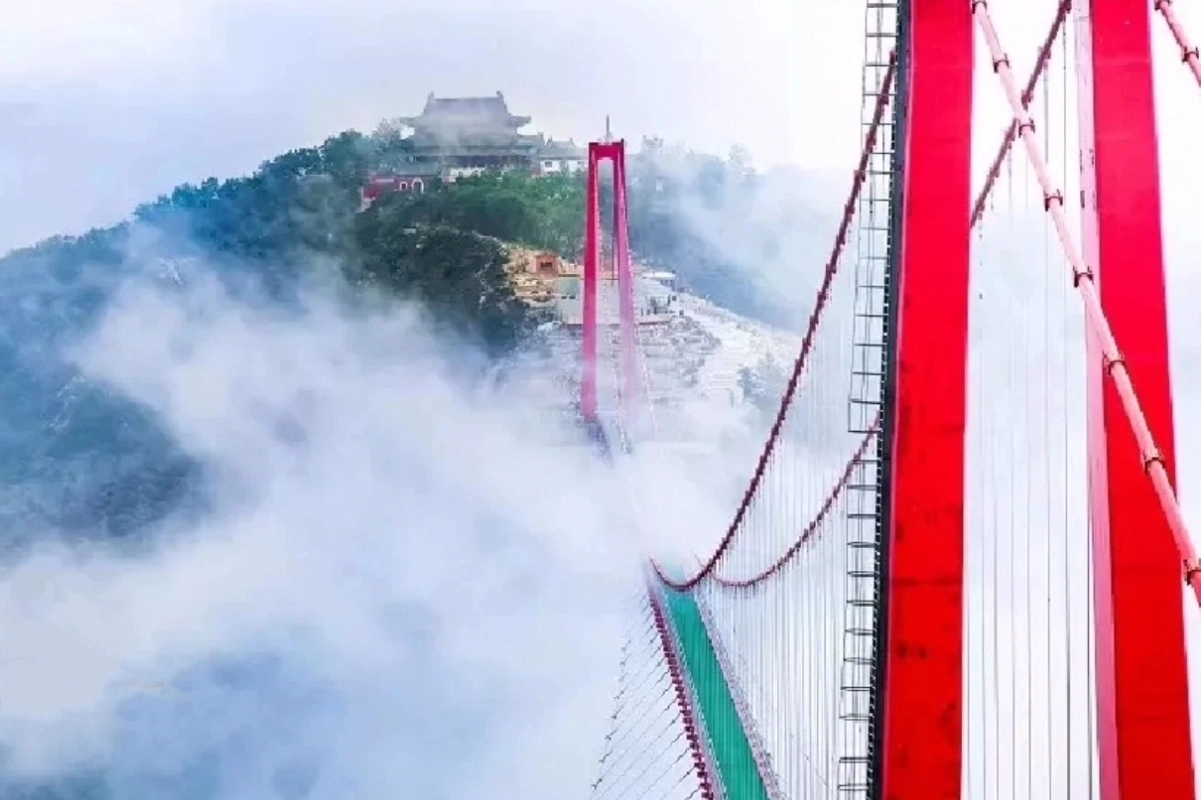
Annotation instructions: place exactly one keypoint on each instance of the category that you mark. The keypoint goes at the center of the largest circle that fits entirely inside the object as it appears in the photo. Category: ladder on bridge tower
(869, 339)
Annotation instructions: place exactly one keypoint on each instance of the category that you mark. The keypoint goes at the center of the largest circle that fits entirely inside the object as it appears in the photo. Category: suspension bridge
(966, 576)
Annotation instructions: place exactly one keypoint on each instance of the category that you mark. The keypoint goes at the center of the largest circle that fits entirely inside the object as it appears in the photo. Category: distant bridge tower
(615, 152)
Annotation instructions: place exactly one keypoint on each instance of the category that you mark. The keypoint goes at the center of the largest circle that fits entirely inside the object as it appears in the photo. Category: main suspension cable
(823, 296)
(1084, 281)
(815, 524)
(1188, 51)
(1040, 66)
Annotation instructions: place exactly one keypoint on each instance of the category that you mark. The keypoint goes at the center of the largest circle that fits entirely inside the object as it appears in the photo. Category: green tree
(542, 213)
(458, 276)
(300, 211)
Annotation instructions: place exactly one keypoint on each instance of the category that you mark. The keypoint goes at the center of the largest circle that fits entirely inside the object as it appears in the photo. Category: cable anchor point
(1192, 568)
(1151, 458)
(1113, 362)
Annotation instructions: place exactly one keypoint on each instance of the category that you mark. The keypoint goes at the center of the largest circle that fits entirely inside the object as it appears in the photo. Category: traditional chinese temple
(458, 136)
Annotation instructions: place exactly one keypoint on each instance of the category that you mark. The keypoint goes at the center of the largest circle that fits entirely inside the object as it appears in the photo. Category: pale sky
(104, 103)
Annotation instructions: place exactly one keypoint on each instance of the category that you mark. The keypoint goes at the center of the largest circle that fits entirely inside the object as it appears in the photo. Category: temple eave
(453, 155)
(436, 122)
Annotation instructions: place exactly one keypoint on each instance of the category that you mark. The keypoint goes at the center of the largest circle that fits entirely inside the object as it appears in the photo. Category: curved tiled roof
(474, 112)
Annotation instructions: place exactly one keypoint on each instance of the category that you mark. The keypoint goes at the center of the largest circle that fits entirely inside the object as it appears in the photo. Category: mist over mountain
(253, 369)
(295, 222)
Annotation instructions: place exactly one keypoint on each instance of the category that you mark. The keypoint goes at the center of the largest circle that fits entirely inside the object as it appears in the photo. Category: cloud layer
(400, 584)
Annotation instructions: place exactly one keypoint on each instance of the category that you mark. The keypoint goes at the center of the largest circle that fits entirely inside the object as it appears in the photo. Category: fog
(386, 591)
(387, 581)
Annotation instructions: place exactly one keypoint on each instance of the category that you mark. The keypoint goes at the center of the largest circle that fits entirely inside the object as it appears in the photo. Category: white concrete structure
(653, 302)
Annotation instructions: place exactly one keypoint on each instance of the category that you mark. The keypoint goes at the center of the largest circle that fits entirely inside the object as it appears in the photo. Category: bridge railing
(786, 596)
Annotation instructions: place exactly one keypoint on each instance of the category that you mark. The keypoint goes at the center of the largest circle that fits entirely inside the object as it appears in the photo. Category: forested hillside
(78, 458)
(298, 211)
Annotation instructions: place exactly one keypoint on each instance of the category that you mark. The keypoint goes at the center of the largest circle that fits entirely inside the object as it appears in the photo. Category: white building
(653, 302)
(560, 157)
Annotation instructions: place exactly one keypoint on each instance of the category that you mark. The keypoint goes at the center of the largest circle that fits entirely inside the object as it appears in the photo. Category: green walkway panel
(729, 738)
